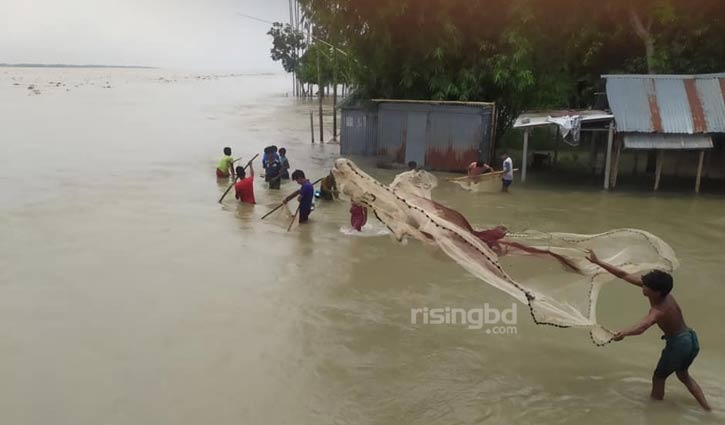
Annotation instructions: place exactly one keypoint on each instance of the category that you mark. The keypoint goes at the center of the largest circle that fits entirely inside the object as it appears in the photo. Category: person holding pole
(244, 188)
(226, 165)
(306, 195)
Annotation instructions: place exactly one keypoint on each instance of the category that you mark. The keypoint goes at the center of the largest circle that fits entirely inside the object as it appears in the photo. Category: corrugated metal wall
(358, 132)
(440, 136)
(454, 135)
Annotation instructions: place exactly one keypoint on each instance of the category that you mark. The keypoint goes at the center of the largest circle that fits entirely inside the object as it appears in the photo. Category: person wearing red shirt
(244, 188)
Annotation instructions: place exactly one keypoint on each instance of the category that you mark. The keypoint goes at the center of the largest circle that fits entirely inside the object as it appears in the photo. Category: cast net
(489, 182)
(548, 272)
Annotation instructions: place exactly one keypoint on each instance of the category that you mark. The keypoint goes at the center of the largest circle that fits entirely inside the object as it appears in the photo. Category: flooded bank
(127, 294)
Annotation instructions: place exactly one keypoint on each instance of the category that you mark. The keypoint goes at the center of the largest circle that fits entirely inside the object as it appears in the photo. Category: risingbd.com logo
(495, 321)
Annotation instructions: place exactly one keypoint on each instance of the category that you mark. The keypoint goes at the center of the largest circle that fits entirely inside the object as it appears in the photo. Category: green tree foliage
(521, 54)
(286, 45)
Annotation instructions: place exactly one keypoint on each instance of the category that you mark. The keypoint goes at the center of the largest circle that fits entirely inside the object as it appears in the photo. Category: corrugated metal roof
(667, 141)
(541, 118)
(680, 104)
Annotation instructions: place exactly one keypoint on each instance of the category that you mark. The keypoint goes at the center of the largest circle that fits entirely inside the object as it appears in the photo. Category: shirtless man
(681, 347)
(477, 168)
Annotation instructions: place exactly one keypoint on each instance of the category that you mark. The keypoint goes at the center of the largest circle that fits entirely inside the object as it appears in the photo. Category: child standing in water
(358, 216)
(226, 165)
(681, 345)
(285, 163)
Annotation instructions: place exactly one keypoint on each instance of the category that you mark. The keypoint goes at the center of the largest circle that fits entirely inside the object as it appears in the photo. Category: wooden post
(524, 161)
(636, 163)
(608, 160)
(613, 183)
(593, 152)
(658, 168)
(312, 127)
(334, 95)
(699, 171)
(556, 147)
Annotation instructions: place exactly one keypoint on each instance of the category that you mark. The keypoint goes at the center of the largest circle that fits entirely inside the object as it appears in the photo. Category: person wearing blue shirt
(306, 195)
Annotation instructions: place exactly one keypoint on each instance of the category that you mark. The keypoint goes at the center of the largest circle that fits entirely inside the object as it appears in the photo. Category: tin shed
(444, 136)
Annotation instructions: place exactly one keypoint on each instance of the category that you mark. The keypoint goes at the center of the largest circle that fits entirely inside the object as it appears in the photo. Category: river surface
(128, 295)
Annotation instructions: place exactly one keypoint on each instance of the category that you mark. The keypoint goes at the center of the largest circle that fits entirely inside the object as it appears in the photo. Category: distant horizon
(70, 65)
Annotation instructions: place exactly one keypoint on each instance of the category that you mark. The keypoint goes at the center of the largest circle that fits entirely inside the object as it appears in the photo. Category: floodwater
(128, 295)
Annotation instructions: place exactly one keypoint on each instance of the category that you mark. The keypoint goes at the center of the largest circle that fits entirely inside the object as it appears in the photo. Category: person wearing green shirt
(226, 165)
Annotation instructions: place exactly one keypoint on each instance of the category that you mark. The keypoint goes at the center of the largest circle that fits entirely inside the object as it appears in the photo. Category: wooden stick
(658, 170)
(291, 194)
(235, 179)
(294, 217)
(699, 171)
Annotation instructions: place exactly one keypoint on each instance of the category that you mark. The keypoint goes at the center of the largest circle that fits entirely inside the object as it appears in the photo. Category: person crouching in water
(681, 345)
(358, 216)
(226, 165)
(306, 195)
(273, 171)
(328, 188)
(244, 188)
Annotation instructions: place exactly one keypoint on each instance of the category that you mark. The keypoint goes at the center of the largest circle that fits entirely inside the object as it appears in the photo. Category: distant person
(273, 171)
(244, 188)
(306, 195)
(328, 188)
(681, 345)
(358, 216)
(412, 165)
(508, 172)
(285, 163)
(477, 168)
(226, 165)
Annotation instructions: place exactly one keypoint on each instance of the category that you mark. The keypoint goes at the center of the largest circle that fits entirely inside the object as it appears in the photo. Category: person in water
(328, 188)
(285, 163)
(681, 346)
(273, 171)
(358, 216)
(306, 195)
(226, 165)
(244, 188)
(412, 165)
(508, 172)
(477, 168)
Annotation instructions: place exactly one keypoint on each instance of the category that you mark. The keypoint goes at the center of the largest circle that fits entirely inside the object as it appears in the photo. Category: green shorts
(679, 353)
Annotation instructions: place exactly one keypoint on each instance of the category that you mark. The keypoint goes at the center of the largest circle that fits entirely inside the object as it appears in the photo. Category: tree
(522, 54)
(286, 45)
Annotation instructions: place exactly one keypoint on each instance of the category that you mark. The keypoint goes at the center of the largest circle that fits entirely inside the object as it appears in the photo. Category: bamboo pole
(658, 169)
(526, 155)
(608, 160)
(320, 92)
(699, 171)
(312, 127)
(617, 156)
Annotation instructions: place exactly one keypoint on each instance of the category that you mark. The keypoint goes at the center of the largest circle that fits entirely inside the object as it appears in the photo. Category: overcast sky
(180, 34)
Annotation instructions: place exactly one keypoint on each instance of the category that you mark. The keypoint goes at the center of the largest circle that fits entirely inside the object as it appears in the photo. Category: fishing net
(416, 182)
(283, 216)
(548, 272)
(484, 183)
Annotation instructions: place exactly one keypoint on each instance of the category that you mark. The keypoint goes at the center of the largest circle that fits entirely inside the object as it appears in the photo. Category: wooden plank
(699, 171)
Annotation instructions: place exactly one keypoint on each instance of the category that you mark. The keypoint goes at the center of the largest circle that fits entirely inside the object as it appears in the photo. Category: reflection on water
(129, 295)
